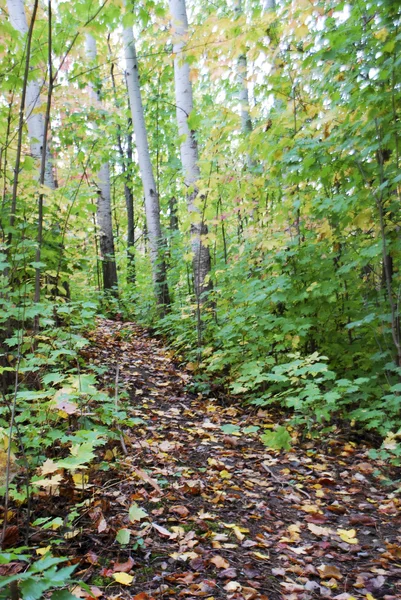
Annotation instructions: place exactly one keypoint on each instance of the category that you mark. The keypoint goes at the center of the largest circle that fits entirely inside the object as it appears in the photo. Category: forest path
(225, 516)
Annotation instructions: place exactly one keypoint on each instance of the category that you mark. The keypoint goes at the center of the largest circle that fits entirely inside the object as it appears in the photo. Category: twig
(123, 446)
(284, 483)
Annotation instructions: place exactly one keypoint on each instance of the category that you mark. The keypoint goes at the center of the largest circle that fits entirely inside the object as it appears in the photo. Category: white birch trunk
(104, 217)
(152, 207)
(269, 5)
(189, 147)
(34, 118)
(242, 78)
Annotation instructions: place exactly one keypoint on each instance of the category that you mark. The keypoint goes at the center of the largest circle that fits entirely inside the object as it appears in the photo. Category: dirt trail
(225, 516)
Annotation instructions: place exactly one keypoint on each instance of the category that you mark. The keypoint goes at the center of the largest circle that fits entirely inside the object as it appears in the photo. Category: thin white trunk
(189, 146)
(269, 5)
(242, 78)
(104, 218)
(34, 118)
(152, 207)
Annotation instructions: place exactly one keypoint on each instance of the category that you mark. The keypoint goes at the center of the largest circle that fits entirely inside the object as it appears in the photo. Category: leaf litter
(193, 505)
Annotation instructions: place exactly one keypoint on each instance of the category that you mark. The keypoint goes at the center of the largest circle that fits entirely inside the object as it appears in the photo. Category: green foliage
(279, 439)
(42, 576)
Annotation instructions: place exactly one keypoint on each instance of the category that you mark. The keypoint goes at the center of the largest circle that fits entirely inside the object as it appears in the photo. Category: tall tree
(242, 78)
(34, 117)
(269, 5)
(104, 218)
(189, 149)
(152, 205)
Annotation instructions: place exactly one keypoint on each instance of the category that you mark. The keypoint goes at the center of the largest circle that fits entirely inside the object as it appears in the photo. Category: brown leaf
(219, 562)
(145, 477)
(124, 567)
(11, 568)
(329, 572)
(179, 509)
(11, 537)
(228, 574)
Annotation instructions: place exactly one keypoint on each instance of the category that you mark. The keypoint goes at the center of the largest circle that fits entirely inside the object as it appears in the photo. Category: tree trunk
(152, 207)
(269, 5)
(106, 239)
(34, 118)
(242, 75)
(189, 150)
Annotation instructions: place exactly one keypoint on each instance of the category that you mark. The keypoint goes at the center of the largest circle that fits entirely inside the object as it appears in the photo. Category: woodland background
(232, 183)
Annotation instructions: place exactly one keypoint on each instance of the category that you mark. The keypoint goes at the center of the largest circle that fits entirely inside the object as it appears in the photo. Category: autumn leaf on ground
(162, 530)
(219, 562)
(318, 530)
(123, 578)
(180, 510)
(329, 571)
(136, 513)
(124, 567)
(348, 535)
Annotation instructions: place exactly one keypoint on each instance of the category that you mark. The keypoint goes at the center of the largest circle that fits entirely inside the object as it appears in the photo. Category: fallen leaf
(124, 567)
(348, 535)
(145, 477)
(136, 513)
(318, 530)
(123, 578)
(329, 571)
(219, 562)
(162, 530)
(180, 510)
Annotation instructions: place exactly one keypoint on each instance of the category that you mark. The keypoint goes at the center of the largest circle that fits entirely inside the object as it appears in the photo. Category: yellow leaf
(348, 535)
(123, 578)
(43, 551)
(225, 474)
(81, 481)
(260, 555)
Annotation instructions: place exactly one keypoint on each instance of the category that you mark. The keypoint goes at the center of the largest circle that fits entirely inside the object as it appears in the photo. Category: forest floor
(212, 513)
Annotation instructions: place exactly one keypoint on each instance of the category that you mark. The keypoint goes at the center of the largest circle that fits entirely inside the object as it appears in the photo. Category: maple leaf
(318, 530)
(136, 513)
(49, 466)
(219, 562)
(329, 572)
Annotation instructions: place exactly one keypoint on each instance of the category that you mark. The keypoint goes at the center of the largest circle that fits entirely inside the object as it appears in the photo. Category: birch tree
(269, 5)
(34, 118)
(152, 206)
(242, 78)
(104, 218)
(189, 149)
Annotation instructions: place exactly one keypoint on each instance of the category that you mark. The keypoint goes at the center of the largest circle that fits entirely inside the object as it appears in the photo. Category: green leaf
(279, 439)
(123, 536)
(136, 513)
(230, 428)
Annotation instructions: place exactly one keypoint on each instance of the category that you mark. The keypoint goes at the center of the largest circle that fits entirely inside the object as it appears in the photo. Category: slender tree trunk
(189, 150)
(152, 207)
(242, 79)
(104, 218)
(34, 118)
(269, 5)
(44, 159)
(126, 165)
